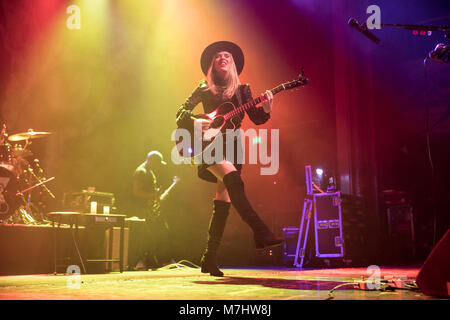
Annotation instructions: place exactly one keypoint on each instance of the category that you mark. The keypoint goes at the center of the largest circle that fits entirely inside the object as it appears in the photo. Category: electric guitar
(225, 117)
(155, 205)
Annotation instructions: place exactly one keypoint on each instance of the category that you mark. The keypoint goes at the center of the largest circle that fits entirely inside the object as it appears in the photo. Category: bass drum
(9, 186)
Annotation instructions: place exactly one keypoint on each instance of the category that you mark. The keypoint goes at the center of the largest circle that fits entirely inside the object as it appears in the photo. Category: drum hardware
(26, 217)
(19, 151)
(5, 154)
(29, 212)
(9, 185)
(3, 135)
(16, 179)
(4, 206)
(19, 193)
(30, 170)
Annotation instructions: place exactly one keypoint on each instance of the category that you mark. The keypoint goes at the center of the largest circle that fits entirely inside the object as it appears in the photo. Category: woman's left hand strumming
(267, 104)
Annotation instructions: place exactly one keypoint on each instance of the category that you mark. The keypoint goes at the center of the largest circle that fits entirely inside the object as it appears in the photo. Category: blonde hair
(232, 81)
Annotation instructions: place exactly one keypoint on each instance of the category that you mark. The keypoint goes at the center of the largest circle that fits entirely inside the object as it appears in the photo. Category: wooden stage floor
(188, 283)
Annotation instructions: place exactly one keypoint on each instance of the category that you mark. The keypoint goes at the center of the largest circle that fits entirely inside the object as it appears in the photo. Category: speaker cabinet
(434, 276)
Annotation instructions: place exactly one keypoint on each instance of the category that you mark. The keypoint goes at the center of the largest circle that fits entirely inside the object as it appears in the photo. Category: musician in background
(145, 187)
(222, 62)
(146, 191)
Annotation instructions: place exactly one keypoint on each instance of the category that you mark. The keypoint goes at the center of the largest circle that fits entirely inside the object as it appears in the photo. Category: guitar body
(218, 117)
(218, 126)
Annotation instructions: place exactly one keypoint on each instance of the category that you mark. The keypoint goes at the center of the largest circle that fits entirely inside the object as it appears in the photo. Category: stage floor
(187, 283)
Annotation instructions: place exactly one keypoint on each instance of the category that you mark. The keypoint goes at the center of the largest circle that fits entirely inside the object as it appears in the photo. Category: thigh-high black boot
(215, 232)
(264, 238)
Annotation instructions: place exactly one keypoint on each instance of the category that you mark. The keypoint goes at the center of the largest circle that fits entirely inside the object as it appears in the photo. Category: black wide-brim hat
(213, 48)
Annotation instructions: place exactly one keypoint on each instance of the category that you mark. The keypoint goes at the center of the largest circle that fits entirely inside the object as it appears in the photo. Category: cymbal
(30, 134)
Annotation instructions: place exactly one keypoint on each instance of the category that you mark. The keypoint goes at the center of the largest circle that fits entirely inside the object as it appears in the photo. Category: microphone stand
(428, 131)
(446, 30)
(416, 27)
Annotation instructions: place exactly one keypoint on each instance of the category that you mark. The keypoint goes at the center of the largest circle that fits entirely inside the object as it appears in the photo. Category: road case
(323, 211)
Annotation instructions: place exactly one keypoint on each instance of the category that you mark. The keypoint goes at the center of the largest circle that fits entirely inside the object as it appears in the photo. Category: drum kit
(23, 186)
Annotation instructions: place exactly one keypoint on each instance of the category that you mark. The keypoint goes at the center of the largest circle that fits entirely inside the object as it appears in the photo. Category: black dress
(210, 102)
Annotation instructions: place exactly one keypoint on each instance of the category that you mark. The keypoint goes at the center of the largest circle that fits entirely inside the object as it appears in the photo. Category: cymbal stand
(27, 143)
(30, 170)
(28, 218)
(35, 186)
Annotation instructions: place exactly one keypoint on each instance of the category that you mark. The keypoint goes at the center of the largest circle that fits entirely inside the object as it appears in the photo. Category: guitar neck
(252, 104)
(165, 193)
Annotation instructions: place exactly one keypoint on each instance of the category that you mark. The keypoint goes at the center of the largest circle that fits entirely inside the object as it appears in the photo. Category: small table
(109, 221)
(69, 218)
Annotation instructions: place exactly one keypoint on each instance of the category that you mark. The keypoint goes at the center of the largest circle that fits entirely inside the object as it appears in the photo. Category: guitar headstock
(176, 179)
(300, 81)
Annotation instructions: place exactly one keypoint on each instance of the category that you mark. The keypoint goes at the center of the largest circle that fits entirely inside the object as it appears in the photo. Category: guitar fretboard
(252, 104)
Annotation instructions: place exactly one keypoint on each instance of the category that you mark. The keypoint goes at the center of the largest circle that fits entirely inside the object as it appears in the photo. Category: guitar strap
(239, 99)
(238, 95)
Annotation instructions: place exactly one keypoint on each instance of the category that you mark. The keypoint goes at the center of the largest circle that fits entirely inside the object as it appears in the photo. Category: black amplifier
(89, 201)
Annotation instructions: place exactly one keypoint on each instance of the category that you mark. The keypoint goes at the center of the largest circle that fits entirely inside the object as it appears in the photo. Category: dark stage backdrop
(109, 91)
(408, 93)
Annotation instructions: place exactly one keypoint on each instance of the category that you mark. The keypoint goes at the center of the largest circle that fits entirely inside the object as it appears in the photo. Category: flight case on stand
(323, 211)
